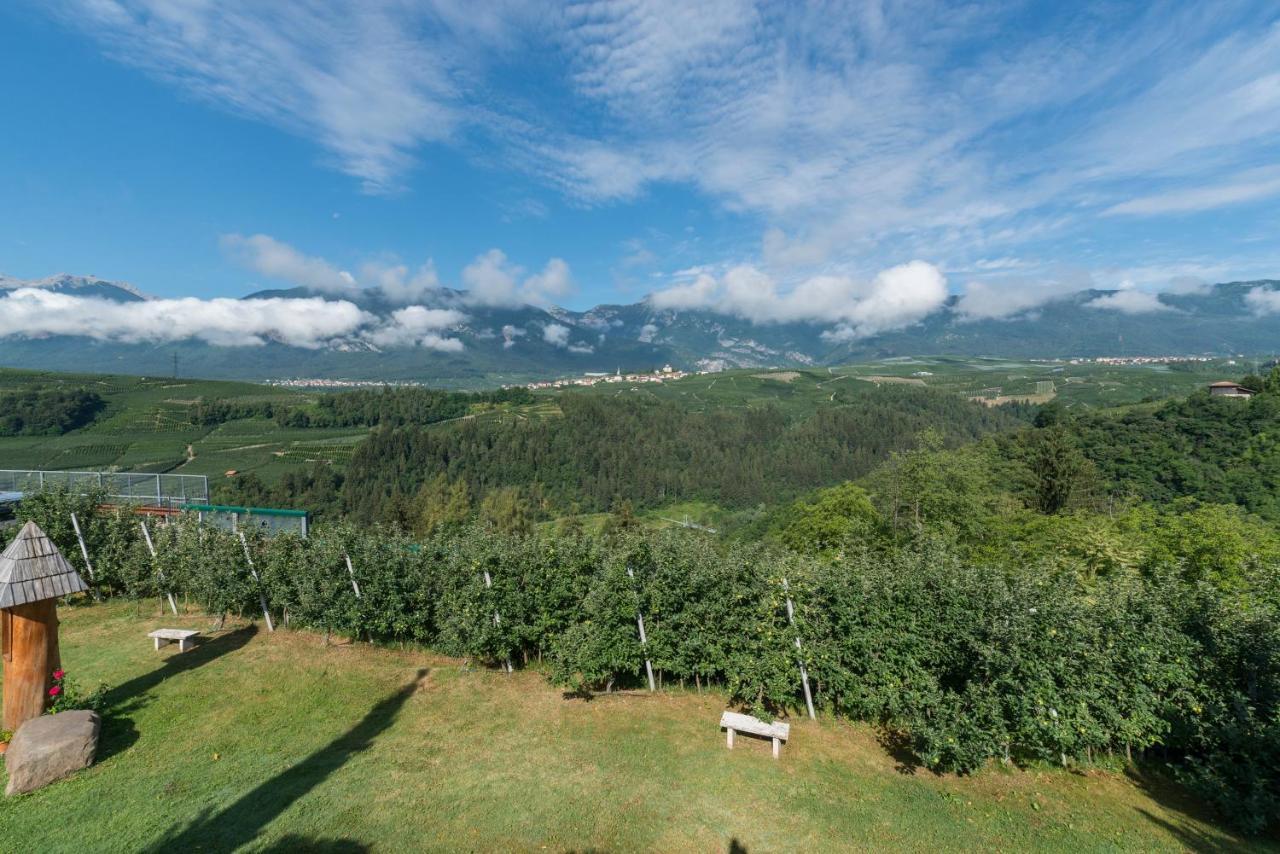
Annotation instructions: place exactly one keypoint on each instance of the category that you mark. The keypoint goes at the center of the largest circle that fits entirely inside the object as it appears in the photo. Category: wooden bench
(182, 637)
(732, 722)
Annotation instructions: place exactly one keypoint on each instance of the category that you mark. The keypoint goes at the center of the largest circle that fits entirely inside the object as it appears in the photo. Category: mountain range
(491, 345)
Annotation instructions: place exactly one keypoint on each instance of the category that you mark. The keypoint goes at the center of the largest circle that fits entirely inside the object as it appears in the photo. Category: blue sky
(765, 159)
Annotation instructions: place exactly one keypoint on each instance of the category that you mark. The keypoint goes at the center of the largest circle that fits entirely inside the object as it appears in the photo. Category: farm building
(1226, 388)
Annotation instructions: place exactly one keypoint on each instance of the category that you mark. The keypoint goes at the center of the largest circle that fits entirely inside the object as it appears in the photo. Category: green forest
(601, 451)
(47, 412)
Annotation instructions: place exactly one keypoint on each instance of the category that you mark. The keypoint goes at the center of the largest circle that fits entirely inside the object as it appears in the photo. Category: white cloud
(510, 334)
(556, 334)
(1246, 187)
(310, 323)
(1263, 301)
(553, 283)
(1001, 298)
(896, 297)
(581, 348)
(1129, 301)
(420, 326)
(371, 82)
(702, 292)
(492, 280)
(268, 256)
(647, 333)
(398, 285)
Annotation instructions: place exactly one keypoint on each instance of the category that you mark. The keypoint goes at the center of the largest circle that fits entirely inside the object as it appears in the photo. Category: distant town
(666, 372)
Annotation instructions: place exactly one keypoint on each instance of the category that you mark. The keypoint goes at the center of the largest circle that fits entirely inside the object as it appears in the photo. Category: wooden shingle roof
(32, 569)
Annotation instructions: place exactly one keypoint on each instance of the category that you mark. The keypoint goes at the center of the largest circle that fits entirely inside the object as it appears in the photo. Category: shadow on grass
(1176, 799)
(898, 746)
(241, 822)
(118, 731)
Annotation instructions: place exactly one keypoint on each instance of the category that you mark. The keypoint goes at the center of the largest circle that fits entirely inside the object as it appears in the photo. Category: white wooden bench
(732, 722)
(182, 637)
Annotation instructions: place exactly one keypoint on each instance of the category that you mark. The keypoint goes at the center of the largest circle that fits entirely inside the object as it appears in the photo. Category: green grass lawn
(275, 742)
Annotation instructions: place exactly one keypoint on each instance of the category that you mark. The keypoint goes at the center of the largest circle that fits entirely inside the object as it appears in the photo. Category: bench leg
(159, 642)
(730, 738)
(777, 747)
(184, 644)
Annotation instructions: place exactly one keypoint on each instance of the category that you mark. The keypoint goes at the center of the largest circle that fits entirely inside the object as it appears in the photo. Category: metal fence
(167, 490)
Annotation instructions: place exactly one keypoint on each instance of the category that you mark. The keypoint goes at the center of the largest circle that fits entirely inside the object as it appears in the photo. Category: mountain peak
(79, 285)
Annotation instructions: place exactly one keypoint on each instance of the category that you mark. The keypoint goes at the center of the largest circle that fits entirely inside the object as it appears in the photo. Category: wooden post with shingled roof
(33, 575)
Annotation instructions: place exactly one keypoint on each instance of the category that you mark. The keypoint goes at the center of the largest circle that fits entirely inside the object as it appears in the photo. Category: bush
(964, 660)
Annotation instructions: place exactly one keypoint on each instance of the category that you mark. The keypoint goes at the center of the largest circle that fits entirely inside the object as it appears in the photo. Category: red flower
(58, 674)
(55, 690)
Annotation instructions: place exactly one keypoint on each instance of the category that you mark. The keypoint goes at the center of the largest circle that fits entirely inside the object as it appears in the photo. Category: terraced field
(989, 380)
(148, 426)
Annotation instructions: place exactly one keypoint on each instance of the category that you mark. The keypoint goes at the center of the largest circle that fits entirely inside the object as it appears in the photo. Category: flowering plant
(65, 695)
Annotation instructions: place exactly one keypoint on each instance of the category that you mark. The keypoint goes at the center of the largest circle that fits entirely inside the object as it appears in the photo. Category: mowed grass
(258, 741)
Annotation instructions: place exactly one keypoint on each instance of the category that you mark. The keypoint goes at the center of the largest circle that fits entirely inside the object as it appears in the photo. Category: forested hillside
(606, 450)
(47, 412)
(1221, 450)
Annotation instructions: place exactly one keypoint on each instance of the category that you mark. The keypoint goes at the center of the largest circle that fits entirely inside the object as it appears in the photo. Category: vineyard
(960, 664)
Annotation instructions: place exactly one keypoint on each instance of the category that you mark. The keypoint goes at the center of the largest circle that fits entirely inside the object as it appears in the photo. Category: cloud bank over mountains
(35, 313)
(896, 297)
(425, 313)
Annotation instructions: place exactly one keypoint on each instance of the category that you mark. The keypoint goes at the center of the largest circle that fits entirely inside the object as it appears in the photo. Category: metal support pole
(497, 619)
(644, 641)
(173, 606)
(262, 597)
(84, 551)
(352, 573)
(804, 674)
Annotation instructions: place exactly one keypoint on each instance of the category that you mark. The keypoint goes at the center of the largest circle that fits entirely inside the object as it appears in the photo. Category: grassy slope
(275, 742)
(146, 427)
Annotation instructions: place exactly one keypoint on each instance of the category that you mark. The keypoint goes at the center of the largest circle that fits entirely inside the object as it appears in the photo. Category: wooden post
(262, 597)
(351, 572)
(173, 606)
(644, 641)
(804, 674)
(30, 657)
(497, 619)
